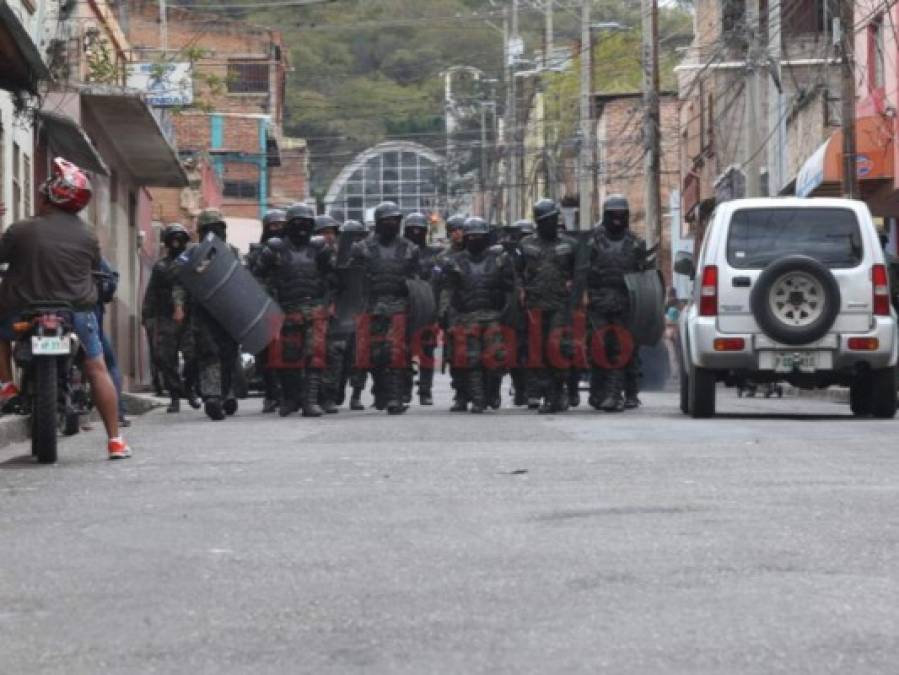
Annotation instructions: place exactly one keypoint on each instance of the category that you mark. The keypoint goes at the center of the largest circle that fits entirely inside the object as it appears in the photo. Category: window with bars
(241, 189)
(248, 77)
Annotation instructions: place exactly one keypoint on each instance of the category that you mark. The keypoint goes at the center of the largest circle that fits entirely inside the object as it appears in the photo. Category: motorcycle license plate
(788, 362)
(50, 346)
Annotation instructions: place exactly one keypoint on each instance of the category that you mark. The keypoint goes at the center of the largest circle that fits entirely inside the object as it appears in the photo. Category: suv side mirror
(683, 264)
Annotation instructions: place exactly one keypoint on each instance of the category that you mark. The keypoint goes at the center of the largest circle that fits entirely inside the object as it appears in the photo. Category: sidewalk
(15, 428)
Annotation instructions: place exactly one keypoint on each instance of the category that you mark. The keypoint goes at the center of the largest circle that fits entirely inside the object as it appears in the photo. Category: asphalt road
(763, 541)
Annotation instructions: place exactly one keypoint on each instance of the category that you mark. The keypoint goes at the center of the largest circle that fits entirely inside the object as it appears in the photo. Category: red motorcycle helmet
(68, 186)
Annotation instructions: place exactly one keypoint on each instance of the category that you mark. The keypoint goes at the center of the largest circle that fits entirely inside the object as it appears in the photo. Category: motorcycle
(53, 389)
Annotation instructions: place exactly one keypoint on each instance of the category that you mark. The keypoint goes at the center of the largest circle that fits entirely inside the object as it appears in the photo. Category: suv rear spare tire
(796, 300)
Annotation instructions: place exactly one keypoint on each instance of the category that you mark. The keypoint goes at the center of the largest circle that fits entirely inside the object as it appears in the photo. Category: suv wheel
(683, 378)
(883, 393)
(796, 300)
(860, 396)
(701, 387)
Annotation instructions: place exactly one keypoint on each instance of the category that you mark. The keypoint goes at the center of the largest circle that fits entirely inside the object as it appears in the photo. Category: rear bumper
(758, 352)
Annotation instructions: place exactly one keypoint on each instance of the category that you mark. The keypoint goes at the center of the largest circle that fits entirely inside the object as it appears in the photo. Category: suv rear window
(758, 237)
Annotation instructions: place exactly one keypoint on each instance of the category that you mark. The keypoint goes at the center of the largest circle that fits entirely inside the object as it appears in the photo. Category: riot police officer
(415, 229)
(301, 269)
(326, 226)
(455, 230)
(165, 311)
(480, 280)
(388, 261)
(613, 252)
(216, 351)
(511, 243)
(547, 277)
(352, 373)
(273, 223)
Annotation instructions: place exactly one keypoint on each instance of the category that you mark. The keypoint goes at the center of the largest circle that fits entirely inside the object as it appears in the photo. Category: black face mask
(548, 228)
(616, 223)
(387, 231)
(175, 246)
(417, 236)
(272, 233)
(477, 243)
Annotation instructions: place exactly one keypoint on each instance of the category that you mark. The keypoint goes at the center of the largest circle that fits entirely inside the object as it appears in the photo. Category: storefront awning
(136, 135)
(22, 66)
(67, 139)
(822, 173)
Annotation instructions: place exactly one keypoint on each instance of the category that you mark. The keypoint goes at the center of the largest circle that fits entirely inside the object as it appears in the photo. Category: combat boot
(460, 404)
(214, 409)
(312, 383)
(230, 406)
(356, 400)
(475, 379)
(425, 385)
(329, 407)
(269, 405)
(395, 385)
(194, 401)
(287, 406)
(494, 389)
(632, 401)
(175, 405)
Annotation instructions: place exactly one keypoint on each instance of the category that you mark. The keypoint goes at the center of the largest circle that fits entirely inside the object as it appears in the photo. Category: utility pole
(777, 122)
(585, 180)
(547, 33)
(753, 150)
(163, 27)
(847, 35)
(651, 123)
(483, 152)
(514, 189)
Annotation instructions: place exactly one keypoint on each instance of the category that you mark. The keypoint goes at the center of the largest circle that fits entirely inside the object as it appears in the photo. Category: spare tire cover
(796, 300)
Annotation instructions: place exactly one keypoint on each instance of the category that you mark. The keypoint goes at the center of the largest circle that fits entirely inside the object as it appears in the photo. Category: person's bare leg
(104, 393)
(5, 361)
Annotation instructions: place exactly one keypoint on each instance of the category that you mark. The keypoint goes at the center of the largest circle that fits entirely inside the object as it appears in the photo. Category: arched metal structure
(401, 171)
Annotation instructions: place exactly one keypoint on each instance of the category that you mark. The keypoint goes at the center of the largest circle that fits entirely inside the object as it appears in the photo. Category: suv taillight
(708, 292)
(881, 282)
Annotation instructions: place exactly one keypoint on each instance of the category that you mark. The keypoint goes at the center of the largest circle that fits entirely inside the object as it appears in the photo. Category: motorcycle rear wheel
(44, 412)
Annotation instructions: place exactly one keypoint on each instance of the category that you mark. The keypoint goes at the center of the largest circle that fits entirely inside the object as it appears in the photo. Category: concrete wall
(17, 132)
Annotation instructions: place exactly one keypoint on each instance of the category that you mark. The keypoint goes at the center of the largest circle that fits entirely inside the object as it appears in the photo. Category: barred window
(242, 189)
(248, 78)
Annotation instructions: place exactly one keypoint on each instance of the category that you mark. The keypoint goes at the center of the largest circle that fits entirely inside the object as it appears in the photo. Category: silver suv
(789, 289)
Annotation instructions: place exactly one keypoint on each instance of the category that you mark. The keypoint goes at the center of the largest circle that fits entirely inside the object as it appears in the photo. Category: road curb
(140, 404)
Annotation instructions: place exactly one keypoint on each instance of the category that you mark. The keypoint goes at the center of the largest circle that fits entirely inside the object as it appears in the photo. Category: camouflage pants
(551, 350)
(303, 345)
(216, 353)
(613, 366)
(169, 339)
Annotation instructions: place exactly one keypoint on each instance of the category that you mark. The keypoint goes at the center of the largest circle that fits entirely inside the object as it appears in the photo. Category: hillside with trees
(367, 70)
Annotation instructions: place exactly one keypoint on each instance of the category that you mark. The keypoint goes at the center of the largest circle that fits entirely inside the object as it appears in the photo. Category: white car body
(831, 358)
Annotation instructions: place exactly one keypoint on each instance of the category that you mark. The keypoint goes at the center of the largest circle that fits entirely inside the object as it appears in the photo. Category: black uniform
(300, 270)
(547, 278)
(388, 261)
(480, 283)
(613, 252)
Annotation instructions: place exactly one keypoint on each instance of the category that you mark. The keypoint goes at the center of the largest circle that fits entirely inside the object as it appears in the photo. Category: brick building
(235, 122)
(795, 111)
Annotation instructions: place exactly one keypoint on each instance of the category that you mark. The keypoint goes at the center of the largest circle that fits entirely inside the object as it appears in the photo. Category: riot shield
(422, 305)
(217, 281)
(350, 300)
(647, 306)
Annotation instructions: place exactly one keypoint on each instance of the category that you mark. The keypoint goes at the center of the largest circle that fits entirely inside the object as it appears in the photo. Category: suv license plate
(50, 346)
(788, 362)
